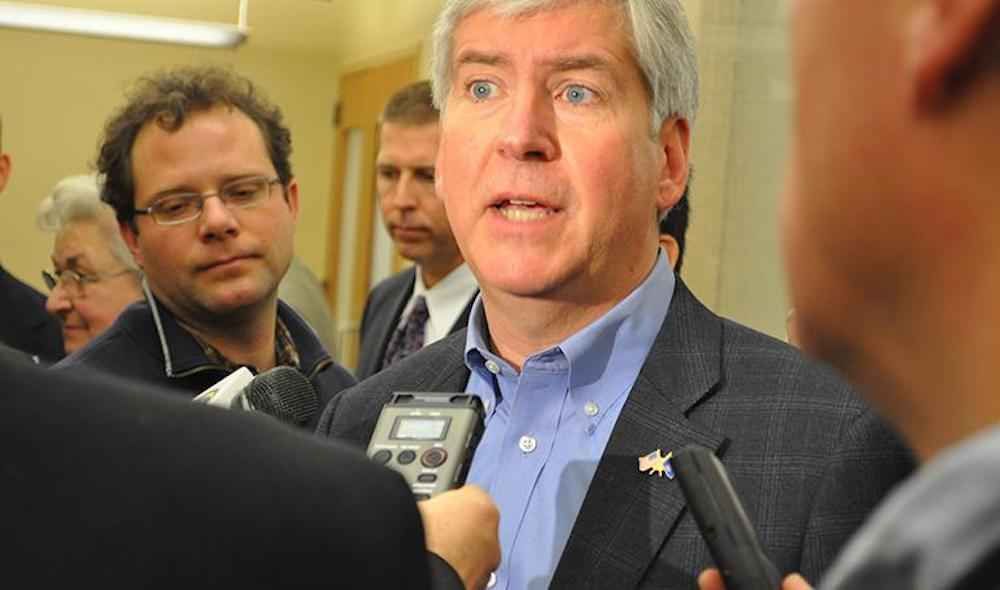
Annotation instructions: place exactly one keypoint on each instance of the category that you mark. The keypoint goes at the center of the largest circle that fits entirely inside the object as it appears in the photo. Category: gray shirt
(934, 529)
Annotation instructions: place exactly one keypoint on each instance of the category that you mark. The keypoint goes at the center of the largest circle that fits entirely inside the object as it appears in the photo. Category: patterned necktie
(409, 336)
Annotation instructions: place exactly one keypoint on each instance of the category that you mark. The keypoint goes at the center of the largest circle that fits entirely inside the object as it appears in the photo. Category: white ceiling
(348, 30)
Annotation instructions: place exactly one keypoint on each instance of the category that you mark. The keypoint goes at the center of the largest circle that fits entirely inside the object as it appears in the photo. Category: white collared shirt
(445, 301)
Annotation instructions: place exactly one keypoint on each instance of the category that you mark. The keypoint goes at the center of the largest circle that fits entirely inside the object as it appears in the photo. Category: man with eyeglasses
(196, 167)
(25, 326)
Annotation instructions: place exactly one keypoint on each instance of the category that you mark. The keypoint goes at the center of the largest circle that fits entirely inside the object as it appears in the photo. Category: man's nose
(529, 131)
(217, 219)
(404, 193)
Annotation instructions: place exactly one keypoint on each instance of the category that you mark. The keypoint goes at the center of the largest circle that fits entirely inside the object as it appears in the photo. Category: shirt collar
(285, 353)
(618, 341)
(456, 285)
(183, 353)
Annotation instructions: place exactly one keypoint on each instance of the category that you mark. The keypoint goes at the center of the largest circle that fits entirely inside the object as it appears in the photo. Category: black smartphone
(722, 521)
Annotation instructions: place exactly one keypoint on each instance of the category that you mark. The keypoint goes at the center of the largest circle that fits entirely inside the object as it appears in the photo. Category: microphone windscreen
(285, 393)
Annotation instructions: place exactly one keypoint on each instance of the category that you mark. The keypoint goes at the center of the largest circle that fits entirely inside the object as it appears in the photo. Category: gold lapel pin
(656, 463)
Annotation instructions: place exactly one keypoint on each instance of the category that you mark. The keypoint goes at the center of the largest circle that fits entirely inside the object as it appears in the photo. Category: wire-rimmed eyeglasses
(182, 207)
(74, 282)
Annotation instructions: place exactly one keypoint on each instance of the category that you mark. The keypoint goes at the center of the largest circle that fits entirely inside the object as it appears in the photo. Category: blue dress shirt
(547, 426)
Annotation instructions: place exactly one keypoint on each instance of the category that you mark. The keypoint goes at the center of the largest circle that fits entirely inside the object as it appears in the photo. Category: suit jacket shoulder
(351, 416)
(808, 457)
(24, 322)
(144, 495)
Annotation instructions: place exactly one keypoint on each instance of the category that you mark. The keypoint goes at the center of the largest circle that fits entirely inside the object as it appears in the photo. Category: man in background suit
(24, 323)
(890, 236)
(430, 300)
(559, 153)
(104, 487)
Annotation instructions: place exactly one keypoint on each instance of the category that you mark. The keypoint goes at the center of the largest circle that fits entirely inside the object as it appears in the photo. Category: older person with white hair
(94, 276)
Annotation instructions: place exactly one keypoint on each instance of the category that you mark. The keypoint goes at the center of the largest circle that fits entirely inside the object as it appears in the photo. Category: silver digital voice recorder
(429, 438)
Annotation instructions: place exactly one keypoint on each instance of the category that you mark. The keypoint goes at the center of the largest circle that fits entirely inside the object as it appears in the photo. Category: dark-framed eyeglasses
(74, 282)
(179, 208)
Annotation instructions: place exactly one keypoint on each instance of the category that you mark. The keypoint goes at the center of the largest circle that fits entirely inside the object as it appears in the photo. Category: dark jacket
(24, 323)
(167, 355)
(808, 457)
(108, 489)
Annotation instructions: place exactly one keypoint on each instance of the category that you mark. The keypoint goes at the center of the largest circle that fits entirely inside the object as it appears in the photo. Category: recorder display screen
(413, 428)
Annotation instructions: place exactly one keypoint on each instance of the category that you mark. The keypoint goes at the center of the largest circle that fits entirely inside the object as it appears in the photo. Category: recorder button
(427, 478)
(406, 457)
(382, 456)
(434, 457)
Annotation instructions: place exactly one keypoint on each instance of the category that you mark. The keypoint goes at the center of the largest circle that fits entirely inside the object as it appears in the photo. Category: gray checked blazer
(808, 457)
(383, 309)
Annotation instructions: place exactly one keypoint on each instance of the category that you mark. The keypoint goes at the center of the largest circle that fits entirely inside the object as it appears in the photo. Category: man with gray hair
(564, 139)
(24, 324)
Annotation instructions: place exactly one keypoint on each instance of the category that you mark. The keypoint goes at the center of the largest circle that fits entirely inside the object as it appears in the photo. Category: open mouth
(523, 210)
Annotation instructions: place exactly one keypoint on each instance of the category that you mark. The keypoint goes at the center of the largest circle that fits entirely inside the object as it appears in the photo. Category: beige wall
(57, 90)
(739, 142)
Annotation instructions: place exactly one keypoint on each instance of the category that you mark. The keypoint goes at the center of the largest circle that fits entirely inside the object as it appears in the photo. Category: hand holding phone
(723, 522)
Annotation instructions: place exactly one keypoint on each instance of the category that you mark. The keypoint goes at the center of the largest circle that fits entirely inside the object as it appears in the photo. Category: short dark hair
(168, 97)
(412, 105)
(676, 224)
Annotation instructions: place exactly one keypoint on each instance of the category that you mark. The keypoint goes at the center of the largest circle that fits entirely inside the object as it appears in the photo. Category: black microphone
(284, 393)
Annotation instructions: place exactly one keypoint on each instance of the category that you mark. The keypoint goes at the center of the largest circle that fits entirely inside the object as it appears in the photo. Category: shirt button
(493, 580)
(527, 444)
(493, 367)
(591, 409)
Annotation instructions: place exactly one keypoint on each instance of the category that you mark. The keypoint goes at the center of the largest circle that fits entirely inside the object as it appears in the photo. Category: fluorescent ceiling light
(123, 26)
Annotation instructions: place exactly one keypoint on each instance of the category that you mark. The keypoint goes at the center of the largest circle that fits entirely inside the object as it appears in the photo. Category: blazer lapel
(627, 515)
(450, 374)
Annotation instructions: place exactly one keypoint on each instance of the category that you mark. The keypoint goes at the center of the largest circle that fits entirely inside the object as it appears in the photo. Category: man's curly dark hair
(168, 97)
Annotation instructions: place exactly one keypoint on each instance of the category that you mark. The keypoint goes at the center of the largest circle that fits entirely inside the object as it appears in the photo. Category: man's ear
(669, 243)
(4, 170)
(292, 197)
(131, 238)
(943, 36)
(675, 141)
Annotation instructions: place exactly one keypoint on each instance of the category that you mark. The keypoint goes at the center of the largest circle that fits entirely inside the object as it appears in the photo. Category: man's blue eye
(576, 94)
(482, 90)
